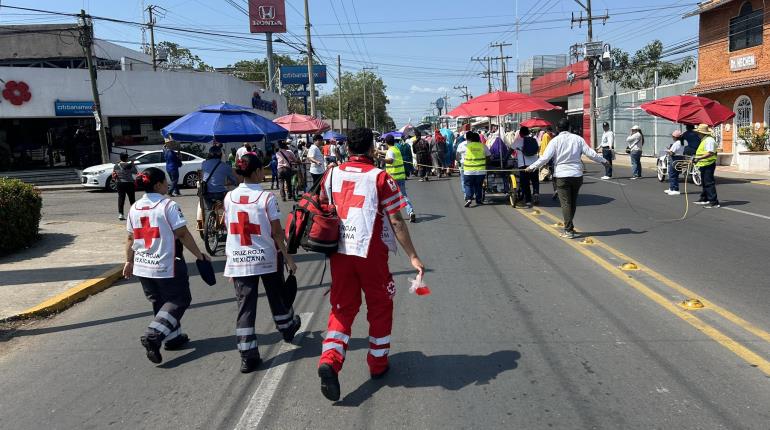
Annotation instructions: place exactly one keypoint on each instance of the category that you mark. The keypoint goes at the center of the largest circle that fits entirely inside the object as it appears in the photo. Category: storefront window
(718, 136)
(746, 28)
(743, 115)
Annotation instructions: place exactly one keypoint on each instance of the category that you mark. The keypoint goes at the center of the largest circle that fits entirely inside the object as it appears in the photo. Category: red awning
(297, 123)
(501, 103)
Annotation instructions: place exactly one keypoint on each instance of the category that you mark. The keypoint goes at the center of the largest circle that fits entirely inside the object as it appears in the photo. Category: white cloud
(399, 98)
(416, 89)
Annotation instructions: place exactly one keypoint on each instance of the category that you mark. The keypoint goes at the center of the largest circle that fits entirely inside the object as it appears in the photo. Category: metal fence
(622, 111)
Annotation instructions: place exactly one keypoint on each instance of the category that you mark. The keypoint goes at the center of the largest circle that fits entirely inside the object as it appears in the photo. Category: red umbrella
(297, 123)
(689, 110)
(536, 122)
(501, 103)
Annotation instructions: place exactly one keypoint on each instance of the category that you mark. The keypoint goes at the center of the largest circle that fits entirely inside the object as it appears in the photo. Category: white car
(101, 176)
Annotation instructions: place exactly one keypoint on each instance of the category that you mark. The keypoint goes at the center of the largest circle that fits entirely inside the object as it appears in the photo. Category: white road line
(261, 398)
(747, 213)
(607, 180)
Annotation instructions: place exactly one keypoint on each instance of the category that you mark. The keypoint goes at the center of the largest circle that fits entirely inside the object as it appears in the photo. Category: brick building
(734, 64)
(568, 88)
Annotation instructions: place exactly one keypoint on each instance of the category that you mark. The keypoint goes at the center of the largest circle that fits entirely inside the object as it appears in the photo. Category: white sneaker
(606, 177)
(674, 193)
(667, 191)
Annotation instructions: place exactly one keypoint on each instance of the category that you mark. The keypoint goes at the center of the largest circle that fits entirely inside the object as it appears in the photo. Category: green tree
(179, 57)
(256, 70)
(352, 86)
(638, 71)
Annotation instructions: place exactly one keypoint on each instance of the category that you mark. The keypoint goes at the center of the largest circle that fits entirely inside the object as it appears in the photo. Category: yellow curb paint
(724, 313)
(75, 294)
(738, 349)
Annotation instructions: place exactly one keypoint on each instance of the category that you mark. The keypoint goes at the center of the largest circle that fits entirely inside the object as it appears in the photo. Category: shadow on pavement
(414, 369)
(583, 200)
(428, 217)
(50, 274)
(727, 203)
(616, 232)
(49, 242)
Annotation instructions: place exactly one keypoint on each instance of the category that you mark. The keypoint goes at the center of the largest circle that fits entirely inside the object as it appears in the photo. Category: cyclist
(216, 175)
(256, 249)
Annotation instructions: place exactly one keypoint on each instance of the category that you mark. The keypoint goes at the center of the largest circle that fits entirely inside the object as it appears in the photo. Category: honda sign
(267, 16)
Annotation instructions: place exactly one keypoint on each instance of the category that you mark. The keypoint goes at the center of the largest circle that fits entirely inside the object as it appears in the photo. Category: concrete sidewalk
(71, 261)
(731, 172)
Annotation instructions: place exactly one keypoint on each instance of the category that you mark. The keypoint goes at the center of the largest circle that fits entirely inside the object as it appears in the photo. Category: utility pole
(310, 77)
(339, 91)
(591, 62)
(464, 91)
(86, 39)
(488, 72)
(270, 65)
(366, 78)
(151, 26)
(502, 59)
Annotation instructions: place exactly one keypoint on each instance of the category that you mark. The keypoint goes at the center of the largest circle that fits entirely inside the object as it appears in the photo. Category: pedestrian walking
(406, 154)
(316, 159)
(526, 154)
(422, 153)
(394, 165)
(217, 176)
(256, 249)
(691, 140)
(706, 161)
(635, 142)
(232, 157)
(173, 163)
(157, 231)
(123, 175)
(287, 162)
(437, 151)
(567, 150)
(608, 149)
(274, 169)
(475, 156)
(675, 155)
(462, 145)
(369, 205)
(246, 147)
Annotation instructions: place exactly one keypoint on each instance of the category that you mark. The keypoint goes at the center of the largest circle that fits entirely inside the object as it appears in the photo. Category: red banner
(267, 16)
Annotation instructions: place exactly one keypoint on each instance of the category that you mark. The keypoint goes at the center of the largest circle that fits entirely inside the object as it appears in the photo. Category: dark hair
(389, 139)
(417, 134)
(360, 140)
(472, 136)
(317, 137)
(124, 156)
(215, 152)
(148, 178)
(233, 151)
(606, 124)
(563, 124)
(524, 130)
(282, 144)
(248, 147)
(689, 127)
(247, 165)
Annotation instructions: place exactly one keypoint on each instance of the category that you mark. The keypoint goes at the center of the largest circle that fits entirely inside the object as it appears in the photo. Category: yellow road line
(738, 349)
(726, 314)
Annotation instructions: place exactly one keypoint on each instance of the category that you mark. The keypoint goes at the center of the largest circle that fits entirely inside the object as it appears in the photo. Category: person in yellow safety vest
(394, 165)
(706, 161)
(475, 156)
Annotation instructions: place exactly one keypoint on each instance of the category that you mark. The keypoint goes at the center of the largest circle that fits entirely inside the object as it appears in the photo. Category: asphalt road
(523, 329)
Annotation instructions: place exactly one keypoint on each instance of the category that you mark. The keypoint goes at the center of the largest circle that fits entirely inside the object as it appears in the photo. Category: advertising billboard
(267, 16)
(298, 74)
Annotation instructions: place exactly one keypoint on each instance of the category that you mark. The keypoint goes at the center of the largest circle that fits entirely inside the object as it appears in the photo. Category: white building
(49, 98)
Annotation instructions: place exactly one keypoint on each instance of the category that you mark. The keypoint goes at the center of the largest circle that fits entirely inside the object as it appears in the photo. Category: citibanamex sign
(267, 16)
(259, 104)
(16, 92)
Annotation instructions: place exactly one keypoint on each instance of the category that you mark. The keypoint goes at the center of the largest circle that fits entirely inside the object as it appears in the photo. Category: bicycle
(692, 171)
(214, 228)
(299, 183)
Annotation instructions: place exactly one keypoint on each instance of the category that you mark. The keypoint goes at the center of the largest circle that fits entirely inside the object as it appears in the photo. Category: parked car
(101, 176)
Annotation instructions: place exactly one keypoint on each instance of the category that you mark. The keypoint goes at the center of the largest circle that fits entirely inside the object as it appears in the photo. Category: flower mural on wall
(16, 92)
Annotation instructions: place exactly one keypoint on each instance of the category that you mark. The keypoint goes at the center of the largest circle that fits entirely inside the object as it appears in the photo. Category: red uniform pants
(351, 275)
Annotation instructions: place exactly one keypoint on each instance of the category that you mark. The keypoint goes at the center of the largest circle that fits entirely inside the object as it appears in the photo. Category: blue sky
(421, 48)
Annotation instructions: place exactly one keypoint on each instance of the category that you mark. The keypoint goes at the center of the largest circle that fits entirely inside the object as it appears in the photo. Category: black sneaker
(250, 364)
(330, 384)
(288, 335)
(555, 196)
(468, 203)
(153, 349)
(528, 205)
(381, 374)
(176, 343)
(536, 199)
(413, 217)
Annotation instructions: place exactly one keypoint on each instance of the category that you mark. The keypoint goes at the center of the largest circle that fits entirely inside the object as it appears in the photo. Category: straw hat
(703, 129)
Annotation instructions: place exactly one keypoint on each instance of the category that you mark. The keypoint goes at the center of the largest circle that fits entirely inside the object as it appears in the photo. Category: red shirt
(391, 201)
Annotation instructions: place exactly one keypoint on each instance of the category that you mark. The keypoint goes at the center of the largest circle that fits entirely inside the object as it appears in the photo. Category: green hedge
(20, 208)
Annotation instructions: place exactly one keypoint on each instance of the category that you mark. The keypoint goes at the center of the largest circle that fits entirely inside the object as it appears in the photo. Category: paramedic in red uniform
(156, 232)
(256, 249)
(369, 203)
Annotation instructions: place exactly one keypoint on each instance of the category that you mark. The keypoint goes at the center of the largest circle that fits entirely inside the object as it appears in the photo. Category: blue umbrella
(223, 123)
(329, 135)
(396, 134)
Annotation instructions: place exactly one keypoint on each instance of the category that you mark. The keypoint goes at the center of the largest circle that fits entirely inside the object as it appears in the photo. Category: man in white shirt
(675, 154)
(316, 159)
(567, 150)
(527, 150)
(608, 148)
(242, 150)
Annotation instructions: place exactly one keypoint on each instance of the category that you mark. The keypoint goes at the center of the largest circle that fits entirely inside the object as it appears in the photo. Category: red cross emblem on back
(147, 232)
(244, 228)
(346, 199)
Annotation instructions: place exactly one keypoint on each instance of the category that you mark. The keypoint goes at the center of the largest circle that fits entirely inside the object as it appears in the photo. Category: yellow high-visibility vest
(396, 170)
(702, 151)
(475, 158)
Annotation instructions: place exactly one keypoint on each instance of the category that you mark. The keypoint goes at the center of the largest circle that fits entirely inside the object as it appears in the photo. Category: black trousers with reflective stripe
(246, 293)
(168, 296)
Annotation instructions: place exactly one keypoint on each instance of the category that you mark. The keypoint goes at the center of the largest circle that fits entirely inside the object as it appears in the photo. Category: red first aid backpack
(313, 224)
